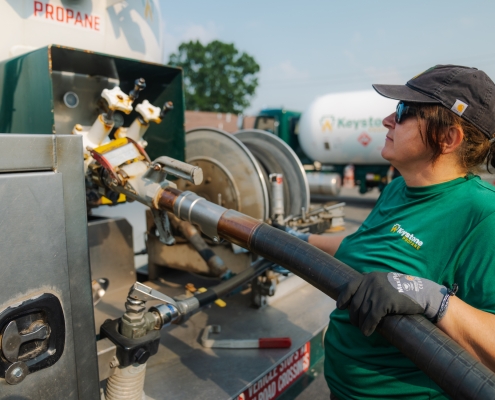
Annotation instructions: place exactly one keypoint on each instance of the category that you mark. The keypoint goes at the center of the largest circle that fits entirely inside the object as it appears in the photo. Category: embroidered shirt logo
(407, 237)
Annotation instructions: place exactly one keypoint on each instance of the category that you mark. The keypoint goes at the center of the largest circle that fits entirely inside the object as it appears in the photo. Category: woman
(430, 234)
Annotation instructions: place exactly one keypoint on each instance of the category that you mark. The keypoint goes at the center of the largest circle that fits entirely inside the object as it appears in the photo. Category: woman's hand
(370, 297)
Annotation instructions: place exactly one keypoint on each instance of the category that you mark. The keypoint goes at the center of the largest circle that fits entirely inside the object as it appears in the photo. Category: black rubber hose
(435, 353)
(215, 292)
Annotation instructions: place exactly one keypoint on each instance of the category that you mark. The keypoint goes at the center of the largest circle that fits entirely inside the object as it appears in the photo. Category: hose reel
(237, 168)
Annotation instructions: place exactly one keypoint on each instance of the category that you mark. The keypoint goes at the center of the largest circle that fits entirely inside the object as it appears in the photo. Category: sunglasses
(403, 110)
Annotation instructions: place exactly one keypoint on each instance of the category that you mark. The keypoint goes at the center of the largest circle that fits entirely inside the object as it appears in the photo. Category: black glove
(293, 232)
(370, 297)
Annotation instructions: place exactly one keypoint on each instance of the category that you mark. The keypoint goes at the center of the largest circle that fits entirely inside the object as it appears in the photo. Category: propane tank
(131, 28)
(346, 128)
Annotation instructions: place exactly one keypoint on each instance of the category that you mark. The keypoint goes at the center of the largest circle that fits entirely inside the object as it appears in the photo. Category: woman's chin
(386, 154)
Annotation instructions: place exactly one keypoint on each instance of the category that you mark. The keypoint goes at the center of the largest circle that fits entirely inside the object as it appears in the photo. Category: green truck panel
(30, 101)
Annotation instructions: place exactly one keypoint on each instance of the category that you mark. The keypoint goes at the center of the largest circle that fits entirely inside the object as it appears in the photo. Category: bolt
(157, 167)
(78, 127)
(142, 356)
(114, 363)
(17, 372)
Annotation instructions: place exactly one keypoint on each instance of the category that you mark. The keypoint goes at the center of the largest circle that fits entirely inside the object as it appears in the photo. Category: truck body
(69, 271)
(335, 131)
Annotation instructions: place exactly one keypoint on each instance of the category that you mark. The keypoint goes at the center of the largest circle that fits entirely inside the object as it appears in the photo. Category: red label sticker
(364, 139)
(275, 382)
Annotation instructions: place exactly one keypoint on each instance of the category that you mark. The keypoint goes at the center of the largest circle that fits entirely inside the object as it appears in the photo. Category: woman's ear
(452, 139)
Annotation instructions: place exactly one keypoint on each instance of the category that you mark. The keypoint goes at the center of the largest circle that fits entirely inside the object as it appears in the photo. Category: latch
(12, 339)
(32, 337)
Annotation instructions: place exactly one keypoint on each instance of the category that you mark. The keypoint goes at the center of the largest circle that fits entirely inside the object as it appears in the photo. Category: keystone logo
(407, 237)
(148, 10)
(329, 122)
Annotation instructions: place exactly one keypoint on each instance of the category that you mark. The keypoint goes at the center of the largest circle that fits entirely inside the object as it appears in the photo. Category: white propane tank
(346, 128)
(131, 28)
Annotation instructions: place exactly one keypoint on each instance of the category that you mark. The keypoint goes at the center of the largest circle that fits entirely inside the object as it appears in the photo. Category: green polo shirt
(445, 233)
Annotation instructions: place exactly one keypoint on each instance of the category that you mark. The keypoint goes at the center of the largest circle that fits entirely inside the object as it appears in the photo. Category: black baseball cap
(468, 92)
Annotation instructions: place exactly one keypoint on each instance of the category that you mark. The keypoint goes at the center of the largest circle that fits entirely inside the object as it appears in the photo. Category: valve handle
(139, 85)
(142, 292)
(166, 108)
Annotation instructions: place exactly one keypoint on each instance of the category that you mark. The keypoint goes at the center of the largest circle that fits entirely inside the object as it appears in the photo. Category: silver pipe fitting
(167, 313)
(198, 211)
(187, 306)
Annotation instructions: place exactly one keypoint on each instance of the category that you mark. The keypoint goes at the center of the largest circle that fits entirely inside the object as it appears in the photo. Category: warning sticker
(364, 139)
(275, 382)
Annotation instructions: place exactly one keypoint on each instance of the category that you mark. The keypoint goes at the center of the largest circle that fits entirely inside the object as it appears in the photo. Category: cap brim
(404, 93)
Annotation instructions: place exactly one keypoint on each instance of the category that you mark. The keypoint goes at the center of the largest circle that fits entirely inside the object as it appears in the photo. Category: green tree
(217, 76)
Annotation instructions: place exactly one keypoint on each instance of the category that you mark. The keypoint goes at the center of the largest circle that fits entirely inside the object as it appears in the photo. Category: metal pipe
(435, 353)
(215, 263)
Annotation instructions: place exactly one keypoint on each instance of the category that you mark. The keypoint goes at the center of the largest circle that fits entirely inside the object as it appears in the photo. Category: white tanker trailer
(335, 131)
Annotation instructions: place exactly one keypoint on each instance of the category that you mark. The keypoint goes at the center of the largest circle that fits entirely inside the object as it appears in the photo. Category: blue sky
(310, 48)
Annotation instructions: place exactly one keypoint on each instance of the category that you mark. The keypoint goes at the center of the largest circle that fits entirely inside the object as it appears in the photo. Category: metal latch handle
(12, 339)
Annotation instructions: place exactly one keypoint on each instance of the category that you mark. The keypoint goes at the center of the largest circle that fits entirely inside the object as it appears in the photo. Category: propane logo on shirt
(407, 237)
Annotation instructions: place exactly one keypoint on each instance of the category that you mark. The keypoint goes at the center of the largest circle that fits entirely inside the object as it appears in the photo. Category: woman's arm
(329, 244)
(473, 329)
(370, 297)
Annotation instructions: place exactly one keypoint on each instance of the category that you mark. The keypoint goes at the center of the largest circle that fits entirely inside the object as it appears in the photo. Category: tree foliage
(217, 76)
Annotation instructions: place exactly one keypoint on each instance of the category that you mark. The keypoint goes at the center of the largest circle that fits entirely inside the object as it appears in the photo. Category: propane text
(66, 16)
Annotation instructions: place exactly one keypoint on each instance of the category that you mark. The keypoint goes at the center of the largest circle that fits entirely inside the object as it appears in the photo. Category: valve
(139, 85)
(117, 100)
(147, 113)
(136, 334)
(168, 106)
(97, 134)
